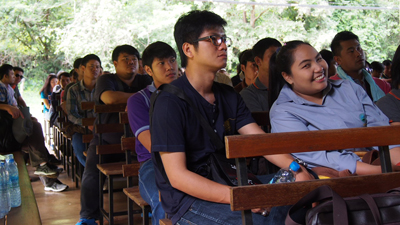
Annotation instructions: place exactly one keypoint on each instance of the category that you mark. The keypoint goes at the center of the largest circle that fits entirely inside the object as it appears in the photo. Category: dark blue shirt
(175, 128)
(111, 82)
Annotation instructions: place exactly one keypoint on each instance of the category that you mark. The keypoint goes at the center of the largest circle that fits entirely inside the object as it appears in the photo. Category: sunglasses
(17, 75)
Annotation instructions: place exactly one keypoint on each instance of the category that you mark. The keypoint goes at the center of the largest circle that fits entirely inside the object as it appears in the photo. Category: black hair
(74, 74)
(159, 50)
(262, 45)
(16, 68)
(191, 25)
(89, 57)
(47, 86)
(281, 61)
(377, 66)
(387, 62)
(245, 56)
(77, 63)
(339, 37)
(396, 69)
(128, 49)
(327, 56)
(63, 74)
(5, 69)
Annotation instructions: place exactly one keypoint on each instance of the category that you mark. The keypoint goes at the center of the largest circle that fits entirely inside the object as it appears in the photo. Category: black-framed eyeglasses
(216, 40)
(17, 75)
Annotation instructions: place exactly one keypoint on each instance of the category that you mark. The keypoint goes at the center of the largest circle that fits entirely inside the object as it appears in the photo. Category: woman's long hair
(47, 86)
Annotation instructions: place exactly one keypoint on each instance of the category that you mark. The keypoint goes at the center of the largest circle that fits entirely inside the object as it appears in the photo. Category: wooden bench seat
(134, 194)
(246, 197)
(111, 168)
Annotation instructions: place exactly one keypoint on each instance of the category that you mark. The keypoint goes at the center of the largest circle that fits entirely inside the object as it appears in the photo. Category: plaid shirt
(7, 94)
(78, 93)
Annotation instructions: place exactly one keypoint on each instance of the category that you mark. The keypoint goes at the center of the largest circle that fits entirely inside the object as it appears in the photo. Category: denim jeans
(79, 148)
(149, 191)
(205, 213)
(90, 181)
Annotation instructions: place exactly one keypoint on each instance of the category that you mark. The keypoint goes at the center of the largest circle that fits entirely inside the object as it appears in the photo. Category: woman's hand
(304, 175)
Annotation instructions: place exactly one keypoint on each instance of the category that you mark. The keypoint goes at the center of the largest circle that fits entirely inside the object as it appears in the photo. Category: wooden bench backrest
(102, 128)
(268, 195)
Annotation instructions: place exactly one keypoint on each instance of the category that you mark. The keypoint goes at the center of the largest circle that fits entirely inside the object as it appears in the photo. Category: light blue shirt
(345, 105)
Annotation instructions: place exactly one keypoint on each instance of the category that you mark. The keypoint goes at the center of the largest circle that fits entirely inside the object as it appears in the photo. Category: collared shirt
(256, 96)
(390, 105)
(175, 128)
(77, 94)
(345, 105)
(138, 113)
(7, 94)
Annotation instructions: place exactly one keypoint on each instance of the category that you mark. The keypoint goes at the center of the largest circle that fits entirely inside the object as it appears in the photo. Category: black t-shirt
(175, 128)
(111, 82)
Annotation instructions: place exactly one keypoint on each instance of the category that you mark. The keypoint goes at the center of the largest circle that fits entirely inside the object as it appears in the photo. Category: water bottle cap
(2, 163)
(11, 161)
(294, 166)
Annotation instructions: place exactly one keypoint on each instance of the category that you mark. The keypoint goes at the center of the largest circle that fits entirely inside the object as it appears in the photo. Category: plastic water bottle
(15, 191)
(4, 194)
(285, 175)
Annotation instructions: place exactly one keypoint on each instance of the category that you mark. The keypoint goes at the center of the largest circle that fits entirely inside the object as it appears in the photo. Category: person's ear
(242, 67)
(258, 61)
(338, 60)
(115, 63)
(288, 78)
(188, 49)
(148, 70)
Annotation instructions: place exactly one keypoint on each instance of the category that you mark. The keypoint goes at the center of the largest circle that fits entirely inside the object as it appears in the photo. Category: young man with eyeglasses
(179, 144)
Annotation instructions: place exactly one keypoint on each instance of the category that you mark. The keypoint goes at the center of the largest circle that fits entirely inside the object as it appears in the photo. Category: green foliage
(46, 36)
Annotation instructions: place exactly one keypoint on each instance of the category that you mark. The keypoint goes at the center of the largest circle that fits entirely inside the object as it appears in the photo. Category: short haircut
(327, 56)
(63, 74)
(246, 56)
(262, 45)
(396, 69)
(377, 66)
(5, 69)
(339, 37)
(128, 49)
(16, 68)
(191, 25)
(77, 63)
(74, 74)
(159, 50)
(387, 62)
(89, 57)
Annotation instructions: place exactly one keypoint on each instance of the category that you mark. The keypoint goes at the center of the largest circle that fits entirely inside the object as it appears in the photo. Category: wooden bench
(246, 197)
(28, 212)
(109, 170)
(129, 171)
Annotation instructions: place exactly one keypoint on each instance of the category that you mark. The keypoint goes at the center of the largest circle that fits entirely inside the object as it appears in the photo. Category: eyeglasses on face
(17, 75)
(216, 40)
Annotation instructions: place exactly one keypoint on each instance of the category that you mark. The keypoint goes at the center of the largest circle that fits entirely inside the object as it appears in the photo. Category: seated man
(256, 95)
(110, 89)
(247, 67)
(64, 79)
(159, 60)
(33, 144)
(350, 57)
(180, 146)
(82, 91)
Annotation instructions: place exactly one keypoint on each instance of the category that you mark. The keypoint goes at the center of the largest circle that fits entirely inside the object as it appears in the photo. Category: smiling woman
(309, 101)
